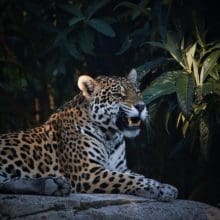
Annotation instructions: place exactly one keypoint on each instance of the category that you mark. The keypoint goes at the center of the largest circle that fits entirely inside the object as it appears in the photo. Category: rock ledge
(101, 206)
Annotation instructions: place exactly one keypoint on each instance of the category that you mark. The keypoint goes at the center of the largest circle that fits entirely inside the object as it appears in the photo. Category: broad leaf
(74, 10)
(185, 127)
(139, 35)
(172, 46)
(163, 85)
(207, 88)
(101, 27)
(126, 4)
(94, 7)
(180, 149)
(190, 52)
(73, 51)
(215, 72)
(60, 39)
(200, 34)
(217, 88)
(210, 87)
(185, 87)
(169, 113)
(162, 21)
(182, 44)
(86, 40)
(195, 65)
(135, 13)
(125, 46)
(145, 68)
(214, 47)
(204, 136)
(208, 65)
(62, 68)
(75, 20)
(155, 44)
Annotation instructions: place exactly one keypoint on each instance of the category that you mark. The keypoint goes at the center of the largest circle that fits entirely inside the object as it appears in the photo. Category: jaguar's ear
(87, 85)
(132, 76)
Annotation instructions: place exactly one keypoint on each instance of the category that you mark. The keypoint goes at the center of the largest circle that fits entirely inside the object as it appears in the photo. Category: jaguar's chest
(116, 151)
(109, 144)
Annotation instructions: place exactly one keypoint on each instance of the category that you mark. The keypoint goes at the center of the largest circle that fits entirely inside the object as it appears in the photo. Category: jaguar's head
(115, 102)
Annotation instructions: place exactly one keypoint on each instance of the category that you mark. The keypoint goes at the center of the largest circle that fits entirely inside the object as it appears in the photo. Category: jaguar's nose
(140, 106)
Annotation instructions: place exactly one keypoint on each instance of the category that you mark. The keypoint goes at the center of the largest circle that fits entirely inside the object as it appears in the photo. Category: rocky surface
(101, 206)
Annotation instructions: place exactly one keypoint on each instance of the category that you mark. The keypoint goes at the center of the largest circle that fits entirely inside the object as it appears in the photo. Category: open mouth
(128, 123)
(133, 122)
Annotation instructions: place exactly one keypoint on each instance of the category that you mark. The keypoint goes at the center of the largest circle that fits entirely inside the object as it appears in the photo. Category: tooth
(129, 122)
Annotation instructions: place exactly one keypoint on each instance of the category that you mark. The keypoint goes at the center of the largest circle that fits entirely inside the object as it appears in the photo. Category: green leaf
(126, 4)
(208, 65)
(60, 38)
(24, 83)
(217, 88)
(62, 68)
(101, 27)
(215, 72)
(200, 34)
(185, 87)
(182, 44)
(86, 40)
(190, 52)
(139, 35)
(210, 87)
(145, 68)
(195, 65)
(204, 137)
(52, 62)
(162, 21)
(172, 46)
(168, 115)
(162, 85)
(71, 9)
(94, 7)
(180, 148)
(75, 20)
(207, 88)
(135, 13)
(125, 46)
(214, 47)
(73, 51)
(155, 44)
(185, 127)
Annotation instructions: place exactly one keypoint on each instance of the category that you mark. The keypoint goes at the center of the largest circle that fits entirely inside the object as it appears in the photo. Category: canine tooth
(129, 122)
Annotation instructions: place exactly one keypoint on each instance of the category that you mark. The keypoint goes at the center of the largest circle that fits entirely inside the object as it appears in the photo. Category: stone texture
(101, 206)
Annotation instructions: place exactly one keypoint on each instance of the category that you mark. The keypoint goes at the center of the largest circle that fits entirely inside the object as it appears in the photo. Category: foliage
(42, 44)
(197, 79)
(191, 89)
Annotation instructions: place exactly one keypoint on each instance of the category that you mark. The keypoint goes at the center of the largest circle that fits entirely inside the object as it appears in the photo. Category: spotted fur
(81, 148)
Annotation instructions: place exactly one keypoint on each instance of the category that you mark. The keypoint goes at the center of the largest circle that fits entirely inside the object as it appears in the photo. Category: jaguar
(81, 147)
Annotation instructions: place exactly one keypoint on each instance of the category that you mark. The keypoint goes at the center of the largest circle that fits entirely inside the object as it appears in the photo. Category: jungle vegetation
(173, 44)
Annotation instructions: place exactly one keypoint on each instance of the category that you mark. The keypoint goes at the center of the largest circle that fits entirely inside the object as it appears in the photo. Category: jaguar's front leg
(51, 186)
(107, 181)
(164, 192)
(130, 172)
